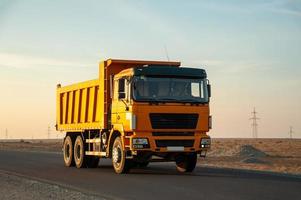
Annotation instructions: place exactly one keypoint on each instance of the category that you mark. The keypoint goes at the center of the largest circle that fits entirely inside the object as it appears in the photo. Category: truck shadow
(170, 170)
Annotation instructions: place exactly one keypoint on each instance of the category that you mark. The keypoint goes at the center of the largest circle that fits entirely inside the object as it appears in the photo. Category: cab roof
(169, 71)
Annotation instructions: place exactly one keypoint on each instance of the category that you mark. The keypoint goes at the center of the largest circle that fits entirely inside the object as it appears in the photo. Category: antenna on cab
(166, 52)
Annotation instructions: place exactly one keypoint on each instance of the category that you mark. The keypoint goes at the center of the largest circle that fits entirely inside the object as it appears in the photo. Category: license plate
(175, 148)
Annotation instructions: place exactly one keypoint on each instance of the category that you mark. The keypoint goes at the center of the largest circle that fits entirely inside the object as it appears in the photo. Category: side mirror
(121, 95)
(121, 88)
(209, 90)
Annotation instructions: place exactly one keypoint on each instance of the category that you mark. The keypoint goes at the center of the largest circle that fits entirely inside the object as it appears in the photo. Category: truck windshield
(169, 89)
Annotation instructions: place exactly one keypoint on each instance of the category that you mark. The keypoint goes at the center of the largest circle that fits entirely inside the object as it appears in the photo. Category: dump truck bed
(78, 106)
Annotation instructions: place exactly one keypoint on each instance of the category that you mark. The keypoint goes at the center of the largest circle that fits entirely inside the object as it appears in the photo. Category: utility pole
(254, 124)
(48, 132)
(6, 133)
(291, 132)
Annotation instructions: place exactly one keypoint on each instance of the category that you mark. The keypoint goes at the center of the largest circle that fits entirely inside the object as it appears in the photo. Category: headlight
(140, 143)
(205, 142)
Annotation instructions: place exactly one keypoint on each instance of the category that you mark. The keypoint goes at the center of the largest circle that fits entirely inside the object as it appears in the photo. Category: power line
(254, 124)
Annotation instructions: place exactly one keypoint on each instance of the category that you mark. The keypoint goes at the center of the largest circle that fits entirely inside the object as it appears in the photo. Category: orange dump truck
(136, 112)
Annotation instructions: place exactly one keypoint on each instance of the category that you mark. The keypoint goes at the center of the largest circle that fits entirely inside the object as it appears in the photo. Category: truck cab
(164, 112)
(153, 111)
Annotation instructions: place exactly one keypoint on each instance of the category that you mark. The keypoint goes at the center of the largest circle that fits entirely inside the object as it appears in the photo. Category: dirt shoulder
(15, 187)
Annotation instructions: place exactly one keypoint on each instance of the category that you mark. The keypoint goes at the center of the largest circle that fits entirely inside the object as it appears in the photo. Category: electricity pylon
(6, 133)
(254, 124)
(48, 132)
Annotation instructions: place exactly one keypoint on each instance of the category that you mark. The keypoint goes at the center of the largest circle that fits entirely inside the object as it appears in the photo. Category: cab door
(120, 101)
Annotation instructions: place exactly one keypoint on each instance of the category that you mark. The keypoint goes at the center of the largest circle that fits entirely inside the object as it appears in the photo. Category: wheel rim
(67, 151)
(117, 154)
(78, 152)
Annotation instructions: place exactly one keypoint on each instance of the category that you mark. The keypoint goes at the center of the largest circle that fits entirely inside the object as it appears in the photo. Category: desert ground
(274, 155)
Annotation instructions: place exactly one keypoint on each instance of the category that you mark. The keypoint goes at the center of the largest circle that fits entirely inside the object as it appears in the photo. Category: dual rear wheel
(68, 151)
(74, 153)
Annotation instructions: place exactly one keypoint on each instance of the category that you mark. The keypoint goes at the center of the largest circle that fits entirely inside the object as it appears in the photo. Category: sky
(251, 51)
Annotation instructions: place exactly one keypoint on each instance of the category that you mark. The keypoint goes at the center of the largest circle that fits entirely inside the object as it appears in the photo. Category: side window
(121, 88)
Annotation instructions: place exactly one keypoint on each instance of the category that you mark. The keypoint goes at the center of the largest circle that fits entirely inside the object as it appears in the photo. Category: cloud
(233, 66)
(286, 7)
(287, 11)
(26, 61)
(292, 7)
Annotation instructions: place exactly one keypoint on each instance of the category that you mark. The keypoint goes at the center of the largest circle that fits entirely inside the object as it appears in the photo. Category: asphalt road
(158, 181)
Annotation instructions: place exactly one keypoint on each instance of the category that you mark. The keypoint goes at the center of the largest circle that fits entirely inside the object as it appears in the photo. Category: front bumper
(196, 142)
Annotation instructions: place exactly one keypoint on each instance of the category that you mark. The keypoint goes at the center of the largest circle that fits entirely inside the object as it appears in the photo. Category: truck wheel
(92, 161)
(186, 162)
(120, 163)
(68, 152)
(79, 152)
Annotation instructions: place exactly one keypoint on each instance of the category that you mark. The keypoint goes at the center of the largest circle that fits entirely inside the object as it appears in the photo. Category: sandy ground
(276, 155)
(53, 145)
(15, 187)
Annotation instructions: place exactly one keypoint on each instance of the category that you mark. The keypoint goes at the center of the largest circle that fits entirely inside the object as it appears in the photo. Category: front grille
(173, 121)
(174, 143)
(173, 133)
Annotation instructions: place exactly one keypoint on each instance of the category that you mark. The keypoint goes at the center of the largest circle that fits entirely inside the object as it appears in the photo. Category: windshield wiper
(179, 100)
(183, 101)
(193, 101)
(169, 99)
(151, 100)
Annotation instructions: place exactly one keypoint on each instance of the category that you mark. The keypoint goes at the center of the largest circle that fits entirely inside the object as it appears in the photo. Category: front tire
(68, 152)
(186, 162)
(120, 163)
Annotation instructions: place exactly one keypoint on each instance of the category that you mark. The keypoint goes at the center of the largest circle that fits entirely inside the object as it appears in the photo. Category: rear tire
(79, 152)
(68, 152)
(186, 162)
(120, 163)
